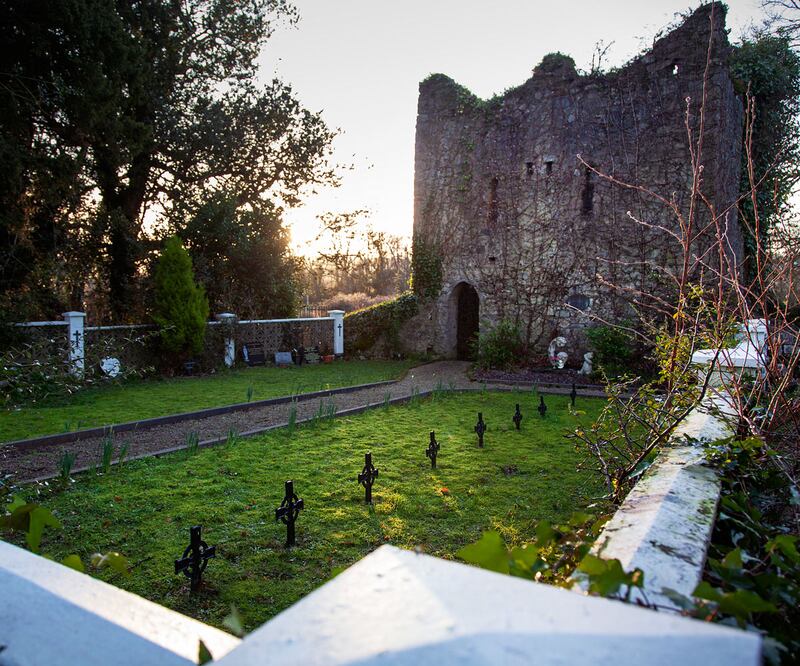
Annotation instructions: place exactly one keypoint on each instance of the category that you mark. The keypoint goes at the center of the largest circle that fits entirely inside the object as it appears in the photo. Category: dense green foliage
(768, 69)
(753, 569)
(500, 347)
(115, 113)
(381, 322)
(180, 306)
(134, 400)
(145, 508)
(242, 259)
(613, 349)
(558, 555)
(426, 268)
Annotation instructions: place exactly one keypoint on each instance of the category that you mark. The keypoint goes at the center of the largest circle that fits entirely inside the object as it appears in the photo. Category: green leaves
(607, 577)
(28, 518)
(112, 560)
(203, 654)
(739, 603)
(489, 552)
(556, 553)
(73, 562)
(233, 622)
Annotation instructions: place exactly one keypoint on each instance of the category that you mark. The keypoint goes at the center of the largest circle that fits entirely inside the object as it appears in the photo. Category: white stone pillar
(338, 331)
(227, 320)
(75, 341)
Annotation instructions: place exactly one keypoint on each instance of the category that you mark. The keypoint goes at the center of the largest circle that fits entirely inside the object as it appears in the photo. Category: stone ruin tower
(507, 201)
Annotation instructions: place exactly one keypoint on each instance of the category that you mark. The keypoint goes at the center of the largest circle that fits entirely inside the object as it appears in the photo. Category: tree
(242, 258)
(356, 258)
(180, 306)
(122, 111)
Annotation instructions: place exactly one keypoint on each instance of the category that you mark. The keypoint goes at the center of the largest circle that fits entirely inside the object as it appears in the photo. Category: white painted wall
(397, 607)
(51, 615)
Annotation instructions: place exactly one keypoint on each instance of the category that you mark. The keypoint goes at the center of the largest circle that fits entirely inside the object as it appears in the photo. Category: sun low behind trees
(124, 123)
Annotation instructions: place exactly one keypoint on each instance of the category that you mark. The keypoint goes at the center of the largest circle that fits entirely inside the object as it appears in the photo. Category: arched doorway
(467, 317)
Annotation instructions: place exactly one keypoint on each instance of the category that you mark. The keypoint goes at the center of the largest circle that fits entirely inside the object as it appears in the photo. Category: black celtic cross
(195, 558)
(542, 407)
(517, 417)
(367, 477)
(288, 511)
(573, 394)
(433, 449)
(480, 428)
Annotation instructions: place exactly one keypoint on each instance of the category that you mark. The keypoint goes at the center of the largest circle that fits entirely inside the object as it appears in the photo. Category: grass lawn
(144, 510)
(131, 401)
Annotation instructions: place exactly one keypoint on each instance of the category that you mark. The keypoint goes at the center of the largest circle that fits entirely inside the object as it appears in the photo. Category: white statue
(586, 368)
(111, 366)
(557, 360)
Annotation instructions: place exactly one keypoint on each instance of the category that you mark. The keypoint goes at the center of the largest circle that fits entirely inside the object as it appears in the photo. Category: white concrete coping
(283, 321)
(749, 351)
(398, 607)
(34, 324)
(51, 614)
(664, 525)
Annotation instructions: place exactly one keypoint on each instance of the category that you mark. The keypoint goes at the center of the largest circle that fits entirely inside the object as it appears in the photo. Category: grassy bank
(117, 403)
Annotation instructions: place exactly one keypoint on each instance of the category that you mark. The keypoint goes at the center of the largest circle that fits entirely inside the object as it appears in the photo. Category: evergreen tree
(181, 306)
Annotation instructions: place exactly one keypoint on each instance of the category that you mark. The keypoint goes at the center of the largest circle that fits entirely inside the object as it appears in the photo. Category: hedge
(380, 322)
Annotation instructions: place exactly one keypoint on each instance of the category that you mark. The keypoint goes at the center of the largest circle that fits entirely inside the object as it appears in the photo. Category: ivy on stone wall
(426, 268)
(768, 69)
(365, 328)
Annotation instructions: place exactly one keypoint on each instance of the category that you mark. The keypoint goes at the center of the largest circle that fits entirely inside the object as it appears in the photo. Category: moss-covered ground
(144, 509)
(133, 400)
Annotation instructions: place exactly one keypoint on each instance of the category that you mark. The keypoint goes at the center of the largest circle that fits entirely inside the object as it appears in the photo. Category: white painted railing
(76, 331)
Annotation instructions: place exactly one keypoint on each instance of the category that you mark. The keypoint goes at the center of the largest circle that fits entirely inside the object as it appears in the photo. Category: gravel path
(30, 464)
(44, 461)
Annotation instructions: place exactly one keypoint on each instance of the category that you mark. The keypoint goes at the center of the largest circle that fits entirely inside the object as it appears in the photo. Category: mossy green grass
(145, 508)
(134, 400)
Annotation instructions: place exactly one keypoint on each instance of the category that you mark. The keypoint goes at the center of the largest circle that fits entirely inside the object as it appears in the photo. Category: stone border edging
(665, 523)
(102, 431)
(527, 384)
(260, 431)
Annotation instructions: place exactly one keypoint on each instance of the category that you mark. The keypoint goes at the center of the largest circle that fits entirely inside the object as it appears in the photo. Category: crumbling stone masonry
(506, 196)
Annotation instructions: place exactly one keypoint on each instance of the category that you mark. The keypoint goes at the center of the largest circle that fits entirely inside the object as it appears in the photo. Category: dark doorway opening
(467, 311)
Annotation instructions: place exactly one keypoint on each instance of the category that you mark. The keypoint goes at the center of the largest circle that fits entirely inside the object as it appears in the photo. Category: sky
(359, 63)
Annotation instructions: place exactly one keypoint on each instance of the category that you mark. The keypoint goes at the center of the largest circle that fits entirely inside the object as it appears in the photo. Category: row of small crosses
(196, 556)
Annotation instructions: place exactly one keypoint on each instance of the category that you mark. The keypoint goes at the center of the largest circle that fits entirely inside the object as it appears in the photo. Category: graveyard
(145, 508)
(525, 389)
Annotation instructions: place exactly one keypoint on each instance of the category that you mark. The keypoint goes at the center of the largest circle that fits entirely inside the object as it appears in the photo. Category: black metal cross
(517, 417)
(480, 428)
(573, 394)
(340, 329)
(195, 557)
(288, 511)
(367, 477)
(433, 449)
(542, 407)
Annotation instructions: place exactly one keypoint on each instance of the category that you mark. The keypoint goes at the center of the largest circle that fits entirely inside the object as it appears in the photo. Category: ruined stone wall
(503, 190)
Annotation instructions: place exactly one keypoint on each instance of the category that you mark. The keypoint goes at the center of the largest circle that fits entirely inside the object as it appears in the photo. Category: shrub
(181, 306)
(365, 328)
(613, 348)
(500, 347)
